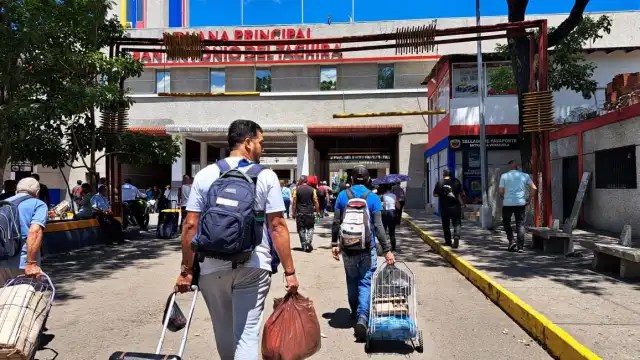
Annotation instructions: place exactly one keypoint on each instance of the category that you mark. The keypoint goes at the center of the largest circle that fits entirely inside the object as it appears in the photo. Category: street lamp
(486, 219)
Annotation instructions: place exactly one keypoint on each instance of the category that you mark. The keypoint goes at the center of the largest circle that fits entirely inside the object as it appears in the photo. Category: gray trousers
(235, 299)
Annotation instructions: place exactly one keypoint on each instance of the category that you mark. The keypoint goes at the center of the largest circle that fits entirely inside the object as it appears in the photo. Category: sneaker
(512, 247)
(360, 329)
(456, 243)
(447, 243)
(309, 248)
(520, 249)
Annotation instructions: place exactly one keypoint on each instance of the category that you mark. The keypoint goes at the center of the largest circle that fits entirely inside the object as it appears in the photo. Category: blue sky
(271, 12)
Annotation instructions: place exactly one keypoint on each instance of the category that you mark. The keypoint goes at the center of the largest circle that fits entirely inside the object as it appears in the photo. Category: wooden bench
(551, 241)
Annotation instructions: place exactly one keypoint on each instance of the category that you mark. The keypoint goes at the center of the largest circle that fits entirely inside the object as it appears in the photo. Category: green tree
(65, 80)
(567, 65)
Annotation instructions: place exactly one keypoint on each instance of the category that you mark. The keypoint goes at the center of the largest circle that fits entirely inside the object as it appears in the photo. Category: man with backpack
(305, 206)
(357, 226)
(23, 218)
(449, 192)
(236, 229)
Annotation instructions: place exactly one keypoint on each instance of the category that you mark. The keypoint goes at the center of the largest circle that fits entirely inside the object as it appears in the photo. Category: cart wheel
(420, 347)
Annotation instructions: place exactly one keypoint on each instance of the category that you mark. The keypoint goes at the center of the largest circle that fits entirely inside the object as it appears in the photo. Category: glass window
(217, 81)
(616, 168)
(263, 80)
(386, 76)
(328, 78)
(163, 81)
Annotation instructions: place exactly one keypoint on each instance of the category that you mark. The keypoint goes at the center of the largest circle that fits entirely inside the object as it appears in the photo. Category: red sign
(331, 51)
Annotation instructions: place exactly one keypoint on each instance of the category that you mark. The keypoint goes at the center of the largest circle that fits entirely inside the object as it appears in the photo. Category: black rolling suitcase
(126, 355)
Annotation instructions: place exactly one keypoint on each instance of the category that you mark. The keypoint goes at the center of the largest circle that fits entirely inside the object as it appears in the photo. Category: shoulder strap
(349, 194)
(223, 165)
(254, 170)
(366, 195)
(19, 200)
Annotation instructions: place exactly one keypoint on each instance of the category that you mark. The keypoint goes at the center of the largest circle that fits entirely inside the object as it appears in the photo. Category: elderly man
(32, 214)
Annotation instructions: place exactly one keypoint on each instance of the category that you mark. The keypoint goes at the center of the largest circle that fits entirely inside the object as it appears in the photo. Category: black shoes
(456, 243)
(360, 330)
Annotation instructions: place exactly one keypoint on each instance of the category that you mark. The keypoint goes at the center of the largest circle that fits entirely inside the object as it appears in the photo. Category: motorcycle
(129, 213)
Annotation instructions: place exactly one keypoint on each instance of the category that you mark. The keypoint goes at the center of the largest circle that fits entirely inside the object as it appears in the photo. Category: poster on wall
(505, 70)
(465, 80)
(471, 181)
(440, 100)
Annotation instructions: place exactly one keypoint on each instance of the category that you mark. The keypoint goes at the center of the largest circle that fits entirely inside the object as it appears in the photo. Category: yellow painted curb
(557, 341)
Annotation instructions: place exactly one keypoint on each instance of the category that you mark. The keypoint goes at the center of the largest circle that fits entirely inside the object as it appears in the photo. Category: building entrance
(341, 148)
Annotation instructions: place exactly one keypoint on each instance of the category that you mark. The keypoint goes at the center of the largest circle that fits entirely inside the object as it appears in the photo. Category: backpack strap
(223, 165)
(366, 195)
(349, 194)
(254, 170)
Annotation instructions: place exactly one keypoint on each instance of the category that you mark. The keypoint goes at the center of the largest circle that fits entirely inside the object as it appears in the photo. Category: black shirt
(304, 195)
(449, 193)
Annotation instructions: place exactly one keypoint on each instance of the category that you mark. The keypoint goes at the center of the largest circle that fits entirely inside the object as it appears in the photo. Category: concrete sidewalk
(598, 310)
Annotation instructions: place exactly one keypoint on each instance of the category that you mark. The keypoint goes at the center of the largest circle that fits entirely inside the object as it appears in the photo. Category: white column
(179, 167)
(303, 158)
(203, 155)
(292, 175)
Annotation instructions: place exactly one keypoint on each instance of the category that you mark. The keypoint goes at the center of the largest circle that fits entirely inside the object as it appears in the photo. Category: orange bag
(292, 332)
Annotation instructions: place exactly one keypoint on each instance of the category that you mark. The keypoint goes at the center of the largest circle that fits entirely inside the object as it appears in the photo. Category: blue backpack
(230, 229)
(10, 237)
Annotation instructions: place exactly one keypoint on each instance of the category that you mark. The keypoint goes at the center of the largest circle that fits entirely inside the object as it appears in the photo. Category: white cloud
(217, 88)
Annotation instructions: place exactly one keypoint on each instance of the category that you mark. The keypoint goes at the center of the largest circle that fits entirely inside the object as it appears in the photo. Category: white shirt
(268, 198)
(129, 192)
(186, 189)
(389, 201)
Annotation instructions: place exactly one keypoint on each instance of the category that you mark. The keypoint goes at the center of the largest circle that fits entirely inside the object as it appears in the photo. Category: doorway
(570, 184)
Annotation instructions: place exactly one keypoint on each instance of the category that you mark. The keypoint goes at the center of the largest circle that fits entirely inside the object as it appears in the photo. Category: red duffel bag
(292, 332)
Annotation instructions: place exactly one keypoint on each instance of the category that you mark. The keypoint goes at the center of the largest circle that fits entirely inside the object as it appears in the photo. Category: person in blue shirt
(33, 214)
(286, 197)
(516, 188)
(359, 266)
(102, 209)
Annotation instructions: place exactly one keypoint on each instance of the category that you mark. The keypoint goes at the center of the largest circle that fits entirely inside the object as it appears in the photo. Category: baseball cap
(360, 173)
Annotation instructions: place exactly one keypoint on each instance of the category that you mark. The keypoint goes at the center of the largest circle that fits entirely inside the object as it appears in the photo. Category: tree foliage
(568, 67)
(519, 52)
(56, 78)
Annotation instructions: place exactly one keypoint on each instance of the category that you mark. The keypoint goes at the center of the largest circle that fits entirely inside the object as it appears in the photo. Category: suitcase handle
(194, 288)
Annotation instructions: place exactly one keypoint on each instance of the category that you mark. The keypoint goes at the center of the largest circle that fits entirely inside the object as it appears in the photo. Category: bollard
(556, 224)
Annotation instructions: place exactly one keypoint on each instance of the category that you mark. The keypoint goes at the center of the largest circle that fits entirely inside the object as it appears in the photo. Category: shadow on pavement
(100, 261)
(487, 251)
(340, 319)
(390, 347)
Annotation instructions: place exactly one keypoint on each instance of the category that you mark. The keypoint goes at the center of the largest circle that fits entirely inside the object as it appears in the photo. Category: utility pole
(486, 218)
(353, 11)
(302, 11)
(242, 12)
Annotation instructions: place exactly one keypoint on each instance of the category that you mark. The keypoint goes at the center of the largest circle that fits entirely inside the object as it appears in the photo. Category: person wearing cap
(360, 266)
(516, 189)
(33, 214)
(102, 209)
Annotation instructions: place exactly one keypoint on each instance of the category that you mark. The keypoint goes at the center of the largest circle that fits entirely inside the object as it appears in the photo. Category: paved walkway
(111, 298)
(599, 310)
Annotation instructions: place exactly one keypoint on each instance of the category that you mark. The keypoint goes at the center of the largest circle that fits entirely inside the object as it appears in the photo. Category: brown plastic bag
(292, 332)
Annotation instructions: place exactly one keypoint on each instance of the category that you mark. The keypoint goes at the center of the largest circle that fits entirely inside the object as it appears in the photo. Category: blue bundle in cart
(391, 327)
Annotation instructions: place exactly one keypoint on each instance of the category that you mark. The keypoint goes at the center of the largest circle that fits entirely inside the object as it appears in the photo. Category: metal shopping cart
(25, 303)
(392, 316)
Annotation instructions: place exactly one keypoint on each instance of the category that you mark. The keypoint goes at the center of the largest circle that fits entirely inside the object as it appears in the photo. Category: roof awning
(354, 130)
(149, 130)
(222, 129)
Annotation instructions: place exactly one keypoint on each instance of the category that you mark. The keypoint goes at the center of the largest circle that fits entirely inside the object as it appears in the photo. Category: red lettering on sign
(300, 34)
(291, 33)
(235, 57)
(264, 35)
(237, 34)
(248, 35)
